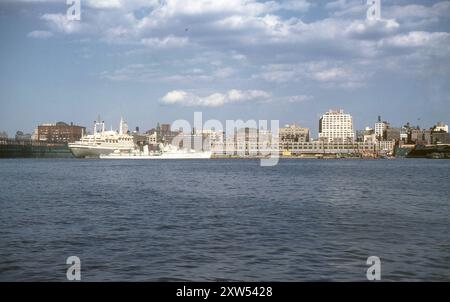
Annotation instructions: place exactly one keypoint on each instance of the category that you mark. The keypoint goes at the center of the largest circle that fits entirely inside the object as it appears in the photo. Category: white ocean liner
(103, 142)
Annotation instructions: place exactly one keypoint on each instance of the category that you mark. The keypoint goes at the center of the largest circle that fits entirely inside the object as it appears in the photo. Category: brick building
(59, 133)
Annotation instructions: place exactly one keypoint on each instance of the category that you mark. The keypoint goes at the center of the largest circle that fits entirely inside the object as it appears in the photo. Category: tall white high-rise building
(380, 127)
(336, 126)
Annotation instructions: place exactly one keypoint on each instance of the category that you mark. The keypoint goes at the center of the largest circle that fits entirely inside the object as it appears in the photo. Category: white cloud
(321, 72)
(372, 29)
(132, 72)
(332, 74)
(278, 73)
(240, 95)
(415, 11)
(295, 5)
(60, 23)
(104, 4)
(160, 72)
(338, 4)
(238, 56)
(166, 42)
(299, 98)
(219, 7)
(184, 98)
(247, 36)
(342, 8)
(225, 72)
(419, 39)
(40, 34)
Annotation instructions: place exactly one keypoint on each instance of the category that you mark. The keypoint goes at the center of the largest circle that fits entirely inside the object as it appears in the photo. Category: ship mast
(95, 130)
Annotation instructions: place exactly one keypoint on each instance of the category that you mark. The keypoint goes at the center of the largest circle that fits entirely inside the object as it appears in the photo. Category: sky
(158, 61)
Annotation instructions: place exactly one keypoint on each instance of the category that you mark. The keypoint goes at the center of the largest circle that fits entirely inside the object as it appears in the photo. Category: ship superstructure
(103, 142)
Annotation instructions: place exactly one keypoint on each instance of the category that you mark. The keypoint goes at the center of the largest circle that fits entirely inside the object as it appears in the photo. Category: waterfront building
(380, 128)
(367, 134)
(212, 135)
(386, 146)
(191, 140)
(404, 134)
(226, 147)
(34, 136)
(370, 138)
(441, 127)
(294, 134)
(291, 135)
(359, 137)
(153, 139)
(140, 140)
(246, 142)
(414, 134)
(440, 138)
(165, 129)
(59, 133)
(392, 134)
(212, 139)
(435, 135)
(321, 147)
(164, 133)
(267, 142)
(3, 135)
(336, 126)
(20, 136)
(424, 137)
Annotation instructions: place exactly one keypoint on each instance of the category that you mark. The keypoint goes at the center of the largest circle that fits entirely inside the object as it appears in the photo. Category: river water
(215, 220)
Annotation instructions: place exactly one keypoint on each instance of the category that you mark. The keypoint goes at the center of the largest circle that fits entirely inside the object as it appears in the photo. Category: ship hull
(164, 156)
(90, 151)
(15, 149)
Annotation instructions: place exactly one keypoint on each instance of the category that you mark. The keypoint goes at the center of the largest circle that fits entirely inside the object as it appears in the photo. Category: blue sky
(160, 61)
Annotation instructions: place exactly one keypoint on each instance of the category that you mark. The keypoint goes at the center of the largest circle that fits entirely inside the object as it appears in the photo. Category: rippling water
(303, 220)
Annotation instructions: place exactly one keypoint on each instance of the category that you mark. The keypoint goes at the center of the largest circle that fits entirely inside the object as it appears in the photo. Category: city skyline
(378, 127)
(156, 61)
